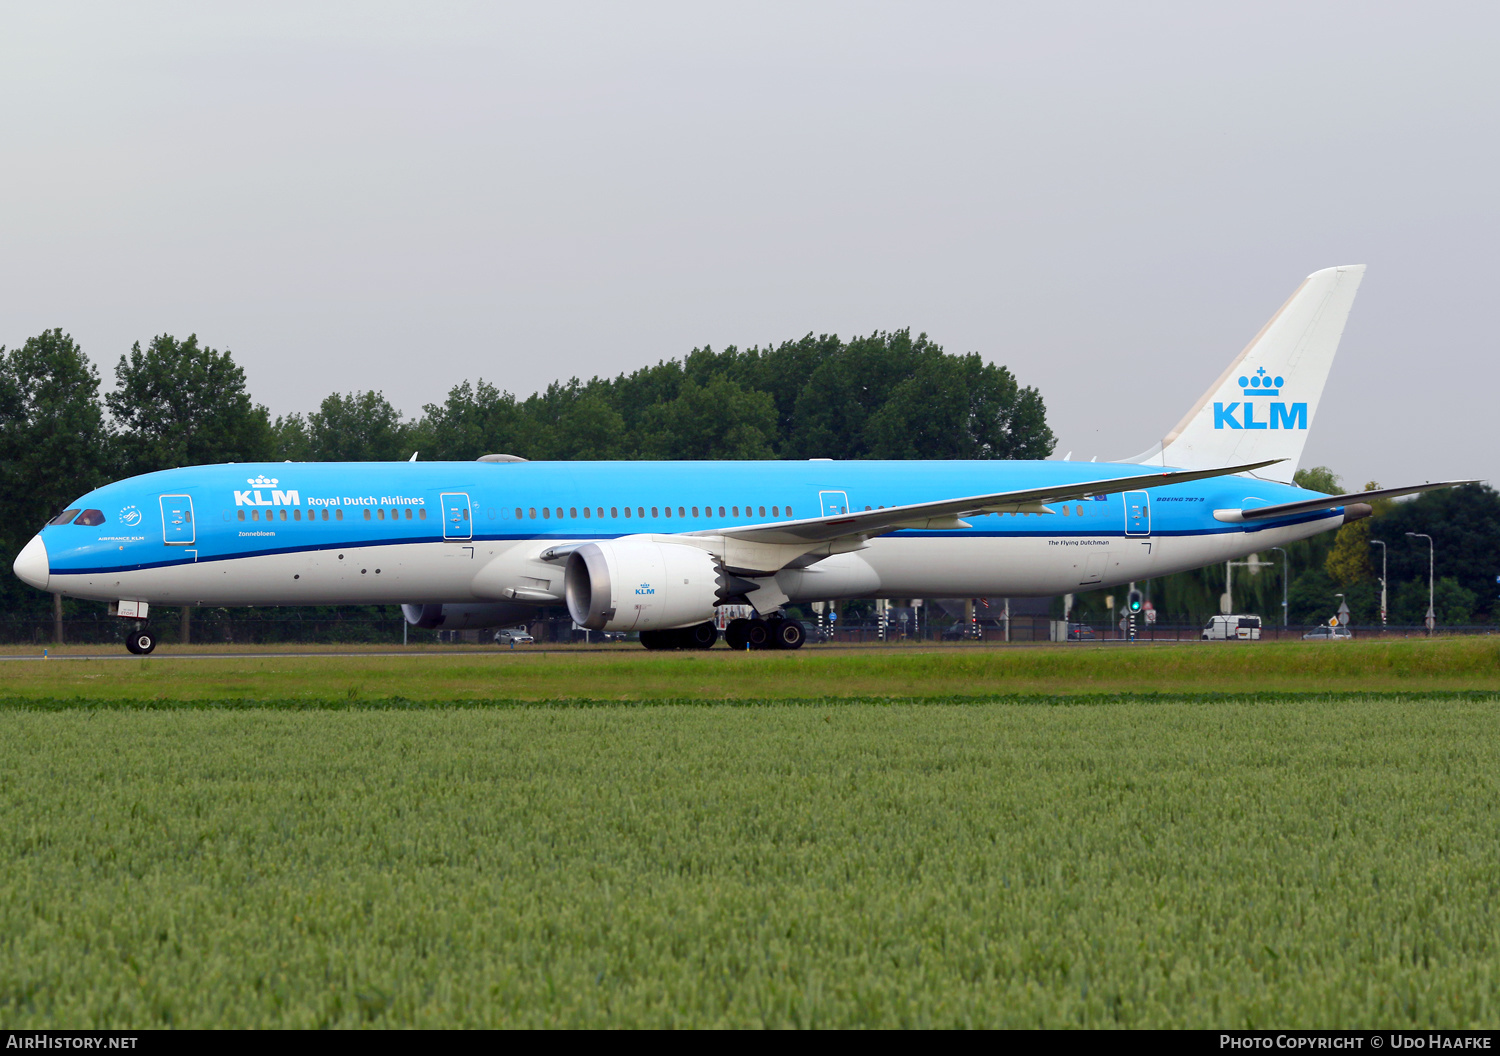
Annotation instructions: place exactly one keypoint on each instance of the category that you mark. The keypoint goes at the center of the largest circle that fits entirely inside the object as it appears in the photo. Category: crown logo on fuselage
(267, 482)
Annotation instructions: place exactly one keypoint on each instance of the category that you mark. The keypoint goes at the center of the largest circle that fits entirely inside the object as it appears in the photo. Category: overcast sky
(1108, 199)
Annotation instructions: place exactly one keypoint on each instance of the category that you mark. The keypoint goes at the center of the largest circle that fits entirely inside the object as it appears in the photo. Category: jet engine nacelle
(639, 584)
(463, 617)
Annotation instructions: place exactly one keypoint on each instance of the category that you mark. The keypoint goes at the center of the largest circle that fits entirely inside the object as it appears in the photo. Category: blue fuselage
(290, 533)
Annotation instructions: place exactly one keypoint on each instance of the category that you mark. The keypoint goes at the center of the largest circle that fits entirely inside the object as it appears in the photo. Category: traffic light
(1134, 602)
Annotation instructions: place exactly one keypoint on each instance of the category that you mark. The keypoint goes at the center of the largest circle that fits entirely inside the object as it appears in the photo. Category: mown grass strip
(1372, 666)
(48, 704)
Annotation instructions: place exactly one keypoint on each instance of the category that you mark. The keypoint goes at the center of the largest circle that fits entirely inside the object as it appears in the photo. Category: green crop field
(1307, 861)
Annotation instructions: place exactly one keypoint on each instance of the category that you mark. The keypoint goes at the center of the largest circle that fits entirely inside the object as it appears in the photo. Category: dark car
(1081, 632)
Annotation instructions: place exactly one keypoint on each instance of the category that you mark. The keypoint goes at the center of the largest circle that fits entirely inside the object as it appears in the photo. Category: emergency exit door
(1137, 513)
(177, 526)
(456, 522)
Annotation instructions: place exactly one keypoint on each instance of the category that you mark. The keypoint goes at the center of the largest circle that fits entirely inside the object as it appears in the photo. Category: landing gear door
(456, 522)
(1137, 513)
(177, 520)
(834, 502)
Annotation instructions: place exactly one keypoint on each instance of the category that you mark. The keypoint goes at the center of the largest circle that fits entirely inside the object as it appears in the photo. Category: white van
(1232, 629)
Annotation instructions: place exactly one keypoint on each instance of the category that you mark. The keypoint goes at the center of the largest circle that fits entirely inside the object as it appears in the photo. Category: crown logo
(1261, 384)
(262, 482)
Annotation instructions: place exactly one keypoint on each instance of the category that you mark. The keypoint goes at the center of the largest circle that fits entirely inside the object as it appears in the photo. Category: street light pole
(1284, 560)
(1377, 542)
(1431, 593)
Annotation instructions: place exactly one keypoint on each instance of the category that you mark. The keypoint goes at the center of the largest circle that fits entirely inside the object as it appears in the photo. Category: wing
(1328, 502)
(948, 514)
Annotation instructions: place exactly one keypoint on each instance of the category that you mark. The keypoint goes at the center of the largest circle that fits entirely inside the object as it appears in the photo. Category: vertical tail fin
(1264, 403)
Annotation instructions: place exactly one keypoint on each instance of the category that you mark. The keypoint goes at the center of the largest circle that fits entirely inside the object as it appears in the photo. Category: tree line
(179, 402)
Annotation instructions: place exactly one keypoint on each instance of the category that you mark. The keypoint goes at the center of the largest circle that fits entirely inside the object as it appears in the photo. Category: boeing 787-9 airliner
(657, 547)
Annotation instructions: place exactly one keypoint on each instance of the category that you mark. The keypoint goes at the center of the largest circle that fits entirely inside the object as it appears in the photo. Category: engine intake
(639, 584)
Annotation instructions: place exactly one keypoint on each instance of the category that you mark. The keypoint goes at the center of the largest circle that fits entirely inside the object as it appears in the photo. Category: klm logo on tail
(1278, 415)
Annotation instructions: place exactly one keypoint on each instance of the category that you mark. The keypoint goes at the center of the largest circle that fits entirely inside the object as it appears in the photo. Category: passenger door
(177, 527)
(1137, 513)
(833, 502)
(456, 520)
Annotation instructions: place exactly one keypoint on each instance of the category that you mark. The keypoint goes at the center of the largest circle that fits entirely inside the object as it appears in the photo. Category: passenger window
(422, 514)
(614, 511)
(380, 514)
(296, 515)
(762, 511)
(408, 513)
(367, 513)
(325, 514)
(789, 510)
(1078, 511)
(680, 512)
(90, 518)
(695, 511)
(242, 514)
(721, 511)
(68, 515)
(546, 513)
(559, 513)
(573, 512)
(533, 513)
(585, 512)
(338, 515)
(654, 513)
(735, 510)
(519, 515)
(627, 512)
(255, 515)
(668, 509)
(601, 513)
(775, 511)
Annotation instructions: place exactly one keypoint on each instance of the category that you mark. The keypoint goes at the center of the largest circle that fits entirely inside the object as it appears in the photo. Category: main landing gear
(140, 641)
(778, 632)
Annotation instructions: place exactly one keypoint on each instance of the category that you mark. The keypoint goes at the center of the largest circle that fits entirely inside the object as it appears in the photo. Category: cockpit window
(64, 517)
(89, 518)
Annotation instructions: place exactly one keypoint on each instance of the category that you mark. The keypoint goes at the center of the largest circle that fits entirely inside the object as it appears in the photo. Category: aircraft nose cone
(31, 564)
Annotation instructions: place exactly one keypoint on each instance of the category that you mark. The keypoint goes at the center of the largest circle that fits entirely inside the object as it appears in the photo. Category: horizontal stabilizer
(1329, 502)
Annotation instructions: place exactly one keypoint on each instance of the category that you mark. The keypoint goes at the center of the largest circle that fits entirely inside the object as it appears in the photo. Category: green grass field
(1312, 861)
(632, 674)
